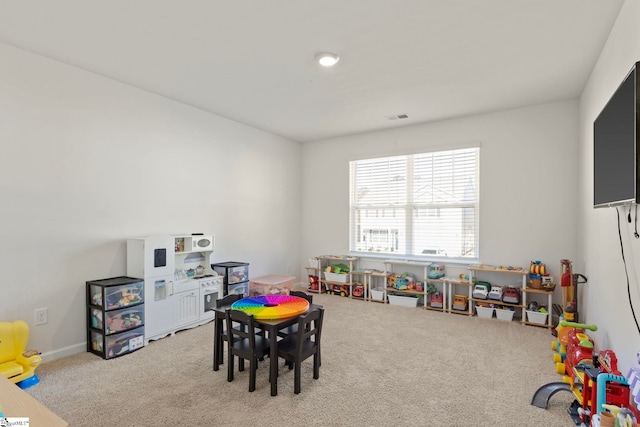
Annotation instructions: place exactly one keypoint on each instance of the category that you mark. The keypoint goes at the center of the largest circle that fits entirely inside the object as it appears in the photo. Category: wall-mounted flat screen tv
(616, 138)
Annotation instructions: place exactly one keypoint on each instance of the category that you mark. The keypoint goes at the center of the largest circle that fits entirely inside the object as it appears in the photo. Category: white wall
(528, 177)
(88, 162)
(604, 299)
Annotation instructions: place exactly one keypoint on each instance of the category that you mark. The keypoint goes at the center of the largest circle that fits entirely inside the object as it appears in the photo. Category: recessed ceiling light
(327, 59)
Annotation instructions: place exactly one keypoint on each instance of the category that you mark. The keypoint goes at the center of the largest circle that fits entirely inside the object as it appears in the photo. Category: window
(420, 205)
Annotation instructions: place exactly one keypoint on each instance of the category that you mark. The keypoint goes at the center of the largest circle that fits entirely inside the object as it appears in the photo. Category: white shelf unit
(377, 293)
(520, 275)
(452, 283)
(325, 285)
(391, 265)
(449, 285)
(527, 290)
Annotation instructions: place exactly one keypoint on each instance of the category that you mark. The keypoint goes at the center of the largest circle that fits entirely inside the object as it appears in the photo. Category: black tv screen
(615, 146)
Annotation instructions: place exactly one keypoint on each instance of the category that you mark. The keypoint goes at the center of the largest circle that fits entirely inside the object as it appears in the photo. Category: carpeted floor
(381, 365)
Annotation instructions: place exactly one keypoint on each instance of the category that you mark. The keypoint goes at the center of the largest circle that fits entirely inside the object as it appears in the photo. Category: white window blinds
(421, 205)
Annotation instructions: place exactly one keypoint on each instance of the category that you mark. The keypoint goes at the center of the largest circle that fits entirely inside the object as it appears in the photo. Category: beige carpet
(381, 365)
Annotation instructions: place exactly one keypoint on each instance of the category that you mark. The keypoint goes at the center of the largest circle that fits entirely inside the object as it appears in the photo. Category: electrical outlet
(41, 316)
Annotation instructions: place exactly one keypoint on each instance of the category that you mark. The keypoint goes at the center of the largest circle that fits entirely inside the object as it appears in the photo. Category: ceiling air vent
(396, 117)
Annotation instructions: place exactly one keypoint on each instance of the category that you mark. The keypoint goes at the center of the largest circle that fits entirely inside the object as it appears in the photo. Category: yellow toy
(17, 364)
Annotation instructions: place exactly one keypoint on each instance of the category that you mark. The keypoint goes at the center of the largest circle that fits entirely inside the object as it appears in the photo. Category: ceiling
(252, 61)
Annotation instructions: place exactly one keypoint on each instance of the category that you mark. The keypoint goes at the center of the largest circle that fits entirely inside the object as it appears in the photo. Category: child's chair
(17, 364)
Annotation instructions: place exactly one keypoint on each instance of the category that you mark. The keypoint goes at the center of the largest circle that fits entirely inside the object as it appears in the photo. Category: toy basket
(484, 312)
(535, 282)
(550, 287)
(335, 277)
(506, 315)
(536, 317)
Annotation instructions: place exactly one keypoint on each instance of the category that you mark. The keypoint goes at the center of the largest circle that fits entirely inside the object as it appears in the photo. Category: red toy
(436, 300)
(579, 353)
(314, 283)
(358, 290)
(342, 290)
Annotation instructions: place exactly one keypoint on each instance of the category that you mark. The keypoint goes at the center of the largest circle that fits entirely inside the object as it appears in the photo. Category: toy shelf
(424, 266)
(518, 272)
(377, 294)
(427, 303)
(527, 290)
(451, 283)
(334, 286)
(447, 286)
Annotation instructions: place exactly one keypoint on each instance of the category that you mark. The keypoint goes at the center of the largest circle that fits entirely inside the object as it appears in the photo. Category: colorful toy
(481, 290)
(560, 344)
(337, 269)
(342, 290)
(435, 270)
(358, 290)
(464, 278)
(405, 281)
(459, 302)
(391, 280)
(511, 295)
(537, 268)
(430, 287)
(436, 300)
(579, 353)
(17, 363)
(594, 379)
(569, 282)
(496, 293)
(268, 307)
(314, 282)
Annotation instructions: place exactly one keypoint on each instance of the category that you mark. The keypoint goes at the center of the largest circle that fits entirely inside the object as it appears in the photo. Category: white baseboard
(50, 356)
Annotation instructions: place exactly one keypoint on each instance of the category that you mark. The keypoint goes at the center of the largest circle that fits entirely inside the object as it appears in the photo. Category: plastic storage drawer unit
(271, 285)
(233, 272)
(115, 316)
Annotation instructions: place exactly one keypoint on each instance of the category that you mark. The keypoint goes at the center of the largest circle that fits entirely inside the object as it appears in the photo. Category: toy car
(496, 293)
(342, 290)
(405, 281)
(511, 295)
(436, 300)
(436, 270)
(358, 290)
(481, 290)
(459, 302)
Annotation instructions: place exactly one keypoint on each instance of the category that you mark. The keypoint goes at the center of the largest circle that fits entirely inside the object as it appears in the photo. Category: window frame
(410, 206)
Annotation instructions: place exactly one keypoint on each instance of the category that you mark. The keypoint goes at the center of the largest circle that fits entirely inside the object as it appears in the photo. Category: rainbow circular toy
(271, 307)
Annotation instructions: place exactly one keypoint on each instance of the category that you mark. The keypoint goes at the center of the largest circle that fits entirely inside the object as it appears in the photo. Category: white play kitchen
(180, 286)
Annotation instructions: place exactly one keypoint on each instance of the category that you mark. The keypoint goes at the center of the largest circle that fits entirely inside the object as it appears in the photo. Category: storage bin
(537, 317)
(484, 312)
(403, 301)
(233, 272)
(274, 284)
(506, 315)
(125, 342)
(116, 292)
(124, 319)
(333, 277)
(377, 295)
(238, 289)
